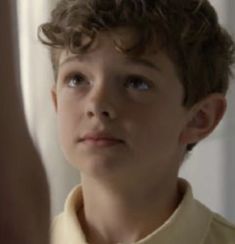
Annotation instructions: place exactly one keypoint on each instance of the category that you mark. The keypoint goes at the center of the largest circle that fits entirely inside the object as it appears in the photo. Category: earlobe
(203, 118)
(54, 97)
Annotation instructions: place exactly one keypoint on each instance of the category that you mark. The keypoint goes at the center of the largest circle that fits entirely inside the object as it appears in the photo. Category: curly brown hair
(188, 30)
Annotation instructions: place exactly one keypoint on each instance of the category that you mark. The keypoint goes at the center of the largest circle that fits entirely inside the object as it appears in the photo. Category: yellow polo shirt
(191, 223)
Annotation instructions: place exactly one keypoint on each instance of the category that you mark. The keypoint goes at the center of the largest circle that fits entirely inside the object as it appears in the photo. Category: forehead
(126, 40)
(105, 47)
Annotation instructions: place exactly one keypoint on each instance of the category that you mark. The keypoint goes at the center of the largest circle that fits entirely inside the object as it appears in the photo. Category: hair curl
(188, 30)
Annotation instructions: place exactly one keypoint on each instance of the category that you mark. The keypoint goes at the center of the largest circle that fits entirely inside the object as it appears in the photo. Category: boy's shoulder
(221, 230)
(57, 230)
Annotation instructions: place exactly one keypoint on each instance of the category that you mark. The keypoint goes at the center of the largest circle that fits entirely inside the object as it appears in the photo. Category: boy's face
(136, 100)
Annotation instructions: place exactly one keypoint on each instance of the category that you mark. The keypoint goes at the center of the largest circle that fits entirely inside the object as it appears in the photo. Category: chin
(97, 166)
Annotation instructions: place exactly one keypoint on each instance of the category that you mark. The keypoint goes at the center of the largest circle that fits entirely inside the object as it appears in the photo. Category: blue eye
(75, 80)
(138, 83)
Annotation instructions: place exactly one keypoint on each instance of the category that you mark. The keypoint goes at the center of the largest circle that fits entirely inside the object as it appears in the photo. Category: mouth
(102, 142)
(101, 138)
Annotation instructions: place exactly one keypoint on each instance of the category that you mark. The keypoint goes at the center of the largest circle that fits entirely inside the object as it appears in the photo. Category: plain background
(211, 166)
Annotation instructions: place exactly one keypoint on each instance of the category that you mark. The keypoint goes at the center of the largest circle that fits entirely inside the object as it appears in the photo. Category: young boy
(138, 84)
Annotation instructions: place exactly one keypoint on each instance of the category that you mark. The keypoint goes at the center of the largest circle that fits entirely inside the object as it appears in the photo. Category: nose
(100, 103)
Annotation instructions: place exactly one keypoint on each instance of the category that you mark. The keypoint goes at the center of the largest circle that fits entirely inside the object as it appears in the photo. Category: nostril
(89, 113)
(100, 110)
(106, 113)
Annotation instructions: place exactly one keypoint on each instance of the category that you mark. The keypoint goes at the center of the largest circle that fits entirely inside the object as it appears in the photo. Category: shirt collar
(188, 224)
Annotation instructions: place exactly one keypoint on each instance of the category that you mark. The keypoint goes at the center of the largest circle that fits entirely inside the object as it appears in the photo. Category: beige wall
(211, 168)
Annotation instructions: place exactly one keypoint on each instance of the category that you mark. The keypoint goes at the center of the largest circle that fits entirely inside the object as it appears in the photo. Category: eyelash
(74, 77)
(139, 80)
(80, 78)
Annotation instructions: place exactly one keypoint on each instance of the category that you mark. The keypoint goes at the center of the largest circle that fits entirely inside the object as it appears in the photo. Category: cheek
(158, 130)
(68, 120)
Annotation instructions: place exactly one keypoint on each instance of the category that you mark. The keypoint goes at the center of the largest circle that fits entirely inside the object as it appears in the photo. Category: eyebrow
(143, 62)
(70, 59)
(129, 60)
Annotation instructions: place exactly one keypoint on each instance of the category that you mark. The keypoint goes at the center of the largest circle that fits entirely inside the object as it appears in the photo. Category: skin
(125, 184)
(24, 205)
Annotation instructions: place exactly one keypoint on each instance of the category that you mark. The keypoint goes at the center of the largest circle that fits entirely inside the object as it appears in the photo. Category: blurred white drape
(211, 168)
(37, 79)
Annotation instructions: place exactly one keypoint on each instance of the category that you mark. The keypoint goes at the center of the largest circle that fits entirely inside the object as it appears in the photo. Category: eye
(138, 82)
(75, 80)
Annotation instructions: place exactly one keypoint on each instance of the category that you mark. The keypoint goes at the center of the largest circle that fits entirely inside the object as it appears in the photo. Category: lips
(100, 136)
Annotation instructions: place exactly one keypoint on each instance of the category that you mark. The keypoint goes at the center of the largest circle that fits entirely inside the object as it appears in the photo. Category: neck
(133, 214)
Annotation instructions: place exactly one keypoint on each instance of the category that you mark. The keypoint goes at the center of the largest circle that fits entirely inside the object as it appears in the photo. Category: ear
(203, 118)
(54, 97)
